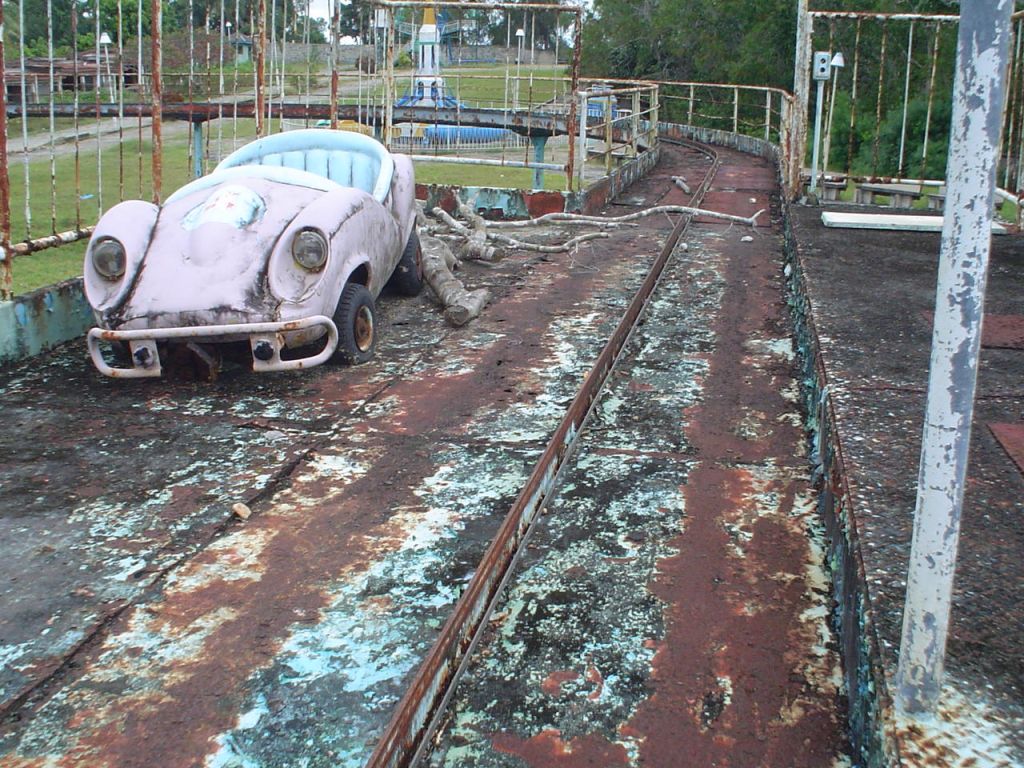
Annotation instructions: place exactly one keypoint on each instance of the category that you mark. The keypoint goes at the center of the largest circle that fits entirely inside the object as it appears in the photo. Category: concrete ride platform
(142, 624)
(870, 296)
(674, 605)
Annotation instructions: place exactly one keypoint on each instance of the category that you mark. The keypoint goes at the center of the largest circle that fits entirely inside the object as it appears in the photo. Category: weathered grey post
(801, 97)
(963, 267)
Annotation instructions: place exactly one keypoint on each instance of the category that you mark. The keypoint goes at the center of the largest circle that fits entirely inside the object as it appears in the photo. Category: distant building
(88, 71)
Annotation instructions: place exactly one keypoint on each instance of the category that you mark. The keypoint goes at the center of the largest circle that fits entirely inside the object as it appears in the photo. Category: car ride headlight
(309, 249)
(109, 258)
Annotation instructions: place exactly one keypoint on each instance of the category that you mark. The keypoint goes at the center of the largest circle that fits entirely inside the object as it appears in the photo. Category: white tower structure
(428, 86)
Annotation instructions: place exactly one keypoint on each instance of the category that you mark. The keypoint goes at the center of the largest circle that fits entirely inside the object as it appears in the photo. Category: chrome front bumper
(265, 339)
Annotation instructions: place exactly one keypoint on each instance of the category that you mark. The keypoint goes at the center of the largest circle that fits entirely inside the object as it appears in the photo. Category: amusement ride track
(418, 714)
(390, 504)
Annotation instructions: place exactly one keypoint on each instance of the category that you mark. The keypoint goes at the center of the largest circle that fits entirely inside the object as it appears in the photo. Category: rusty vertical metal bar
(901, 169)
(284, 59)
(1018, 118)
(6, 273)
(75, 106)
(1019, 176)
(273, 61)
(931, 101)
(767, 115)
(156, 86)
(261, 52)
(634, 146)
(99, 118)
(208, 91)
(735, 110)
(335, 21)
(652, 140)
(24, 122)
(608, 138)
(142, 90)
(220, 82)
(802, 95)
(120, 100)
(978, 94)
(190, 9)
(575, 118)
(878, 100)
(1009, 132)
(234, 78)
(389, 77)
(689, 111)
(53, 120)
(853, 100)
(785, 139)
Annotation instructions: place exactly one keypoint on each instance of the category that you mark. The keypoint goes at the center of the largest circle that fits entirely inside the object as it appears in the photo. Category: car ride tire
(356, 319)
(407, 279)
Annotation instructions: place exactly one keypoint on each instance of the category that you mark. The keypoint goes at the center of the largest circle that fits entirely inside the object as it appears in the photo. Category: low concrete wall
(503, 203)
(870, 720)
(40, 320)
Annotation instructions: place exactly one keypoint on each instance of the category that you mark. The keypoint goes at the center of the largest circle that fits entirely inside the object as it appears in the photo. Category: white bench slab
(890, 221)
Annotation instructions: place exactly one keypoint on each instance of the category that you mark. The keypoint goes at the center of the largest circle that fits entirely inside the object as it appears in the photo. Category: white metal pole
(581, 156)
(963, 267)
(817, 137)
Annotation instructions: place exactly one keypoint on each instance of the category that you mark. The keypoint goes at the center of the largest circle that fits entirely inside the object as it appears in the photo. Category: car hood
(207, 258)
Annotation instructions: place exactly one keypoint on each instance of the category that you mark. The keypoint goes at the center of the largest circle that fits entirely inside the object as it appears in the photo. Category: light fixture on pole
(821, 70)
(105, 43)
(837, 63)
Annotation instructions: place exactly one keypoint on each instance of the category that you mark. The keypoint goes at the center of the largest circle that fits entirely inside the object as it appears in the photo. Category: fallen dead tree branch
(580, 219)
(447, 240)
(460, 305)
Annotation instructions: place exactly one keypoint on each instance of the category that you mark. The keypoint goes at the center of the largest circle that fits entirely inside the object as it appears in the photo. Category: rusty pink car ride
(285, 246)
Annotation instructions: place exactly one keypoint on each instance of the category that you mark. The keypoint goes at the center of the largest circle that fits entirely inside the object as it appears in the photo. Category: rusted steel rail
(418, 714)
(528, 124)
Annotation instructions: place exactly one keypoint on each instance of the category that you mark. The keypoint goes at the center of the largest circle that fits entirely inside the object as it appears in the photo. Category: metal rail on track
(408, 735)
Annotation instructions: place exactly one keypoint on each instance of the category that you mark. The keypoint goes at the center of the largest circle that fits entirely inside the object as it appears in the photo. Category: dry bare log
(460, 305)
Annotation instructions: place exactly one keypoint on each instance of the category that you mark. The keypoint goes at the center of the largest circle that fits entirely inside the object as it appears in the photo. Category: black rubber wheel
(356, 321)
(407, 279)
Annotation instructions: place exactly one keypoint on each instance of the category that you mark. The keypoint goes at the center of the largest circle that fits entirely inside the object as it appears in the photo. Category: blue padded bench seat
(346, 158)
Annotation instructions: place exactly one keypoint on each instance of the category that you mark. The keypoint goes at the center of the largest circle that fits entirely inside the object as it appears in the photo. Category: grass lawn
(484, 176)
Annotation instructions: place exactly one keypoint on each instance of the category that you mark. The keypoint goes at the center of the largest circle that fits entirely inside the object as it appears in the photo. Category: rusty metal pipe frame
(481, 6)
(157, 88)
(408, 734)
(6, 276)
(941, 17)
(49, 241)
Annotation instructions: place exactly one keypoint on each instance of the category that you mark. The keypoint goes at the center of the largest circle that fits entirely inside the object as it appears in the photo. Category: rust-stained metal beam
(484, 6)
(49, 241)
(5, 181)
(261, 53)
(574, 116)
(418, 713)
(335, 23)
(943, 18)
(156, 65)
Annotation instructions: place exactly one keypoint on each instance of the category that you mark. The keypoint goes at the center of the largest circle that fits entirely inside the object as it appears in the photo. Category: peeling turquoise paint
(869, 719)
(42, 319)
